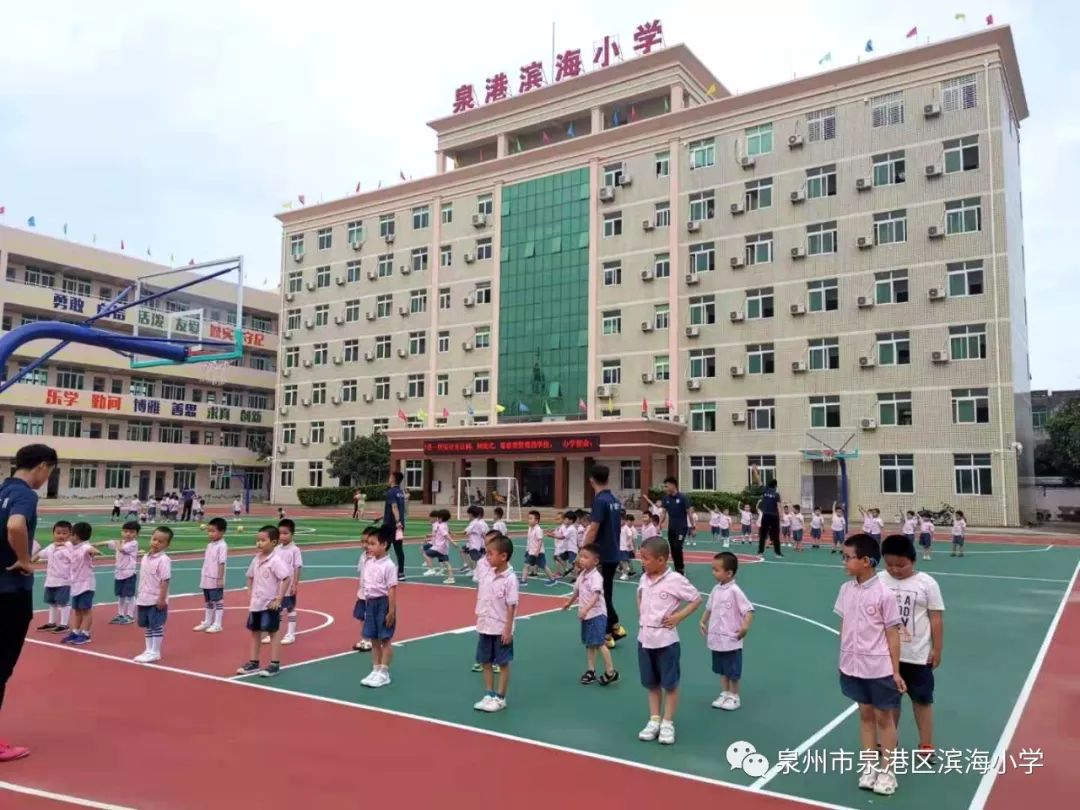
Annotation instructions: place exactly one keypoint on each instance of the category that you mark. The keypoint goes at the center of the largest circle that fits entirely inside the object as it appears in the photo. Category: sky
(183, 128)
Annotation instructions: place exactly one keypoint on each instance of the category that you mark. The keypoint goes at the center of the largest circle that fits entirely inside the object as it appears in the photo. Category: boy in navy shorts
(268, 580)
(496, 607)
(360, 608)
(592, 611)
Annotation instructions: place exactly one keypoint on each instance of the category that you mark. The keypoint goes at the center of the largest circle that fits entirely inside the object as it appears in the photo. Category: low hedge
(702, 500)
(339, 496)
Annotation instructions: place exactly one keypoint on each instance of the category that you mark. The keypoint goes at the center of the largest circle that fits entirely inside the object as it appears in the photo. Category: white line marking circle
(327, 618)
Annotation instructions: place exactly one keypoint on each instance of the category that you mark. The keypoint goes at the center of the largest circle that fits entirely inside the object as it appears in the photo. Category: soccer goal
(489, 492)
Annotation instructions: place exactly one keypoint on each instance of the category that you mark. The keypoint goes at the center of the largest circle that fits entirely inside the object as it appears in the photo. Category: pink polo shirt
(474, 533)
(534, 543)
(127, 552)
(82, 569)
(58, 565)
(868, 610)
(495, 593)
(440, 537)
(216, 554)
(626, 538)
(560, 538)
(796, 521)
(657, 599)
(266, 573)
(290, 553)
(591, 584)
(154, 569)
(360, 574)
(380, 575)
(727, 607)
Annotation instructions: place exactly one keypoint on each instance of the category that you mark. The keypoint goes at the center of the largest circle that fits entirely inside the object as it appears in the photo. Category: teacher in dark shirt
(394, 518)
(769, 506)
(604, 529)
(676, 508)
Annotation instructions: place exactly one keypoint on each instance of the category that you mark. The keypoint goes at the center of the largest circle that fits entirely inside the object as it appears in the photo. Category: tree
(1061, 454)
(262, 448)
(365, 460)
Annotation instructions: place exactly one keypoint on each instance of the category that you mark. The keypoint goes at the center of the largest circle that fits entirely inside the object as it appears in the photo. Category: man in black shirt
(676, 508)
(769, 506)
(604, 529)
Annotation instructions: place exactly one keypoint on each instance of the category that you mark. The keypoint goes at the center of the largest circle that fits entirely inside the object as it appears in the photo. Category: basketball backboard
(830, 444)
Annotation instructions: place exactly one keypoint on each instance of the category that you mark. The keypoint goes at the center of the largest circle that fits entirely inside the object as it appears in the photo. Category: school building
(124, 431)
(633, 265)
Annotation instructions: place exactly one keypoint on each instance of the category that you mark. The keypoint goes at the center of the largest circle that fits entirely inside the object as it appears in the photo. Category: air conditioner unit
(693, 385)
(402, 396)
(334, 440)
(625, 179)
(692, 278)
(693, 226)
(646, 326)
(935, 232)
(605, 391)
(304, 442)
(356, 244)
(283, 411)
(607, 193)
(311, 286)
(369, 357)
(469, 301)
(648, 274)
(339, 320)
(676, 417)
(372, 275)
(868, 424)
(798, 196)
(939, 357)
(337, 359)
(798, 366)
(470, 258)
(798, 309)
(290, 297)
(286, 372)
(738, 418)
(369, 315)
(307, 364)
(737, 371)
(467, 345)
(335, 400)
(647, 224)
(282, 449)
(479, 220)
(405, 269)
(864, 183)
(305, 402)
(339, 280)
(647, 378)
(866, 361)
(389, 238)
(693, 331)
(298, 257)
(864, 301)
(794, 141)
(864, 242)
(403, 312)
(467, 392)
(369, 398)
(931, 110)
(936, 294)
(737, 262)
(736, 317)
(309, 324)
(933, 169)
(747, 162)
(287, 335)
(737, 208)
(798, 253)
(402, 352)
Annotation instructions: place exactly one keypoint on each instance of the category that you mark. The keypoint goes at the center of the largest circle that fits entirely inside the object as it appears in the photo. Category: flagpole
(553, 51)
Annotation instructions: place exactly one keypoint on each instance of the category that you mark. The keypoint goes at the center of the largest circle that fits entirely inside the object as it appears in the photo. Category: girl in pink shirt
(660, 592)
(82, 584)
(728, 615)
(153, 596)
(592, 611)
(268, 579)
(437, 551)
(959, 526)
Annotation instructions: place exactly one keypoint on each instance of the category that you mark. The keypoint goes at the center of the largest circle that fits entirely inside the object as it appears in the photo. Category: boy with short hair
(82, 584)
(727, 619)
(127, 553)
(496, 607)
(57, 578)
(288, 550)
(268, 578)
(212, 580)
(152, 601)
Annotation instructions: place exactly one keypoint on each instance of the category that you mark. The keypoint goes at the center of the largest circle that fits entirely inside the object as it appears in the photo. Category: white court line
(932, 573)
(61, 797)
(986, 784)
(328, 619)
(804, 746)
(450, 724)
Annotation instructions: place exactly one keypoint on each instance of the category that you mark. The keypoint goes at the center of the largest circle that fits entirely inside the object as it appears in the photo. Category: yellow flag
(500, 408)
(421, 415)
(287, 204)
(711, 91)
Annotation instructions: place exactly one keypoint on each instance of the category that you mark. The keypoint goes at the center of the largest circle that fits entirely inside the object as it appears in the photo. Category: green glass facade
(544, 296)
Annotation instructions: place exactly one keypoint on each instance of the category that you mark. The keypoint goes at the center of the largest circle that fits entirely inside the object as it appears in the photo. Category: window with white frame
(821, 125)
(322, 277)
(74, 378)
(612, 224)
(759, 248)
(702, 310)
(442, 385)
(415, 386)
(318, 393)
(292, 357)
(963, 216)
(661, 367)
(446, 213)
(315, 473)
(971, 406)
(891, 287)
(758, 194)
(289, 395)
(481, 382)
(703, 473)
(444, 341)
(760, 470)
(417, 343)
(67, 426)
(417, 302)
(662, 265)
(612, 274)
(348, 430)
(30, 424)
(611, 322)
(702, 363)
(702, 257)
(348, 390)
(759, 303)
(897, 472)
(702, 153)
(761, 414)
(661, 316)
(824, 354)
(295, 281)
(663, 164)
(965, 278)
(483, 249)
(287, 471)
(419, 257)
(136, 431)
(613, 173)
(484, 205)
(611, 372)
(382, 388)
(320, 354)
(894, 409)
(446, 256)
(288, 433)
(960, 93)
(322, 314)
(483, 292)
(383, 347)
(631, 475)
(325, 238)
(825, 411)
(973, 473)
(662, 214)
(822, 295)
(384, 265)
(421, 217)
(893, 348)
(118, 476)
(890, 227)
(296, 245)
(444, 298)
(73, 285)
(703, 417)
(482, 337)
(967, 342)
(961, 154)
(350, 350)
(702, 206)
(353, 271)
(387, 225)
(37, 277)
(889, 168)
(821, 238)
(759, 140)
(354, 232)
(760, 358)
(414, 473)
(821, 182)
(352, 310)
(887, 110)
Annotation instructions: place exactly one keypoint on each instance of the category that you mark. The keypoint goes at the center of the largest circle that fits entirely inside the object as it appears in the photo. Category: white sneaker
(720, 701)
(885, 784)
(152, 657)
(370, 679)
(431, 572)
(494, 704)
(142, 658)
(382, 678)
(667, 733)
(266, 639)
(448, 581)
(483, 704)
(868, 778)
(214, 628)
(650, 732)
(733, 702)
(200, 626)
(288, 638)
(623, 577)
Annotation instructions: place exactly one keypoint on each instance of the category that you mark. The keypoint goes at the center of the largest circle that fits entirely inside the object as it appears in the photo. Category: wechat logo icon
(743, 756)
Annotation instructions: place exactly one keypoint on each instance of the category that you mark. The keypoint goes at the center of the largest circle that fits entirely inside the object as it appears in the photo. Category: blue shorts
(568, 556)
(491, 650)
(920, 682)
(623, 555)
(785, 531)
(659, 667)
(435, 555)
(911, 538)
(375, 610)
(926, 539)
(358, 610)
(84, 601)
(537, 560)
(728, 664)
(725, 533)
(288, 603)
(815, 534)
(746, 528)
(837, 538)
(474, 553)
(59, 595)
(213, 594)
(958, 539)
(264, 621)
(877, 539)
(152, 617)
(593, 631)
(797, 535)
(124, 587)
(881, 693)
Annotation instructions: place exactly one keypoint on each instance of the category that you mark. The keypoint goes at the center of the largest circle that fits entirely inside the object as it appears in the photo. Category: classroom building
(635, 266)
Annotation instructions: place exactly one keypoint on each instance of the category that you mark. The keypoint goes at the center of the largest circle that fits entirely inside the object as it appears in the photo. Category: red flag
(669, 404)
(401, 415)
(445, 413)
(581, 406)
(644, 405)
(633, 113)
(481, 154)
(914, 32)
(300, 197)
(121, 244)
(545, 137)
(989, 21)
(358, 188)
(2, 209)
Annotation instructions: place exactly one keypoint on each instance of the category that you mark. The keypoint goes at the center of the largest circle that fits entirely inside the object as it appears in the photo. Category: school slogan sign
(542, 444)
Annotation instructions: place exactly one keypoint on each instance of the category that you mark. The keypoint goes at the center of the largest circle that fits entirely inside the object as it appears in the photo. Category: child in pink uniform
(474, 538)
(152, 600)
(627, 547)
(82, 584)
(288, 551)
(535, 558)
(268, 581)
(212, 580)
(660, 592)
(727, 619)
(127, 554)
(496, 607)
(363, 645)
(870, 659)
(380, 609)
(437, 552)
(592, 611)
(57, 578)
(564, 535)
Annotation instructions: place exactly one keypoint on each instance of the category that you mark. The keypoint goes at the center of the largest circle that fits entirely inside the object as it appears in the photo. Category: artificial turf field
(1007, 684)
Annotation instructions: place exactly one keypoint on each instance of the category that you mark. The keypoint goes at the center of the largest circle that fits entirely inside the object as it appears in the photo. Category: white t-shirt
(499, 526)
(958, 527)
(915, 597)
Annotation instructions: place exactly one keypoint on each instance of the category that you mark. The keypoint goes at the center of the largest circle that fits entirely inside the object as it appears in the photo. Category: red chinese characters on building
(532, 76)
(556, 444)
(61, 397)
(496, 88)
(605, 50)
(103, 402)
(648, 36)
(567, 65)
(464, 98)
(221, 332)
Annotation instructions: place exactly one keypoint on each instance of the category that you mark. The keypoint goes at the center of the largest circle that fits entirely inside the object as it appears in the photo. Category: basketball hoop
(213, 373)
(828, 454)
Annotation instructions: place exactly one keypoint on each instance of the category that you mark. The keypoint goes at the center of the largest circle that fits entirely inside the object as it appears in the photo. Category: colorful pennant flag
(358, 188)
(960, 16)
(300, 197)
(869, 46)
(581, 406)
(712, 90)
(32, 222)
(401, 415)
(93, 239)
(121, 244)
(287, 204)
(570, 133)
(547, 408)
(421, 415)
(65, 229)
(499, 408)
(914, 32)
(667, 104)
(545, 137)
(633, 113)
(445, 413)
(523, 408)
(644, 405)
(3, 209)
(401, 174)
(989, 19)
(826, 58)
(172, 259)
(148, 252)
